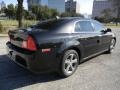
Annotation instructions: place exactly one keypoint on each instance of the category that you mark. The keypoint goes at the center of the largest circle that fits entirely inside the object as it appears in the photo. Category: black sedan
(59, 44)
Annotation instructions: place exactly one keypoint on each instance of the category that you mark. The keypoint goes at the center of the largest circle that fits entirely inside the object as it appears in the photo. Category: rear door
(87, 37)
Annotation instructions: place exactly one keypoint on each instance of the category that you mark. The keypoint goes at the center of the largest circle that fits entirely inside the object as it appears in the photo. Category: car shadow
(12, 76)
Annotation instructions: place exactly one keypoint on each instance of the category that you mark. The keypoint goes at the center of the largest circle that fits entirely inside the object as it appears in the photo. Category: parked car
(59, 44)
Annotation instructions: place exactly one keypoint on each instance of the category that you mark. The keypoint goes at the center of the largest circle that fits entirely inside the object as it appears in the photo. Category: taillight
(29, 44)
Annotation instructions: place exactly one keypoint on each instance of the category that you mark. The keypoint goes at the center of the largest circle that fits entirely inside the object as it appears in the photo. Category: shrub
(1, 27)
(28, 23)
(25, 25)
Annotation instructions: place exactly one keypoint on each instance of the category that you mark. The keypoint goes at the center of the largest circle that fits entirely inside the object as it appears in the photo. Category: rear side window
(50, 24)
(84, 26)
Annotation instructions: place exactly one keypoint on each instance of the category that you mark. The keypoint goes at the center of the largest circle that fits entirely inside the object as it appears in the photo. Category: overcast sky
(85, 5)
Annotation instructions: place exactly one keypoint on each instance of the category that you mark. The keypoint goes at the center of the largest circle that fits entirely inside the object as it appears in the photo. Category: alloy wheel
(71, 63)
(112, 45)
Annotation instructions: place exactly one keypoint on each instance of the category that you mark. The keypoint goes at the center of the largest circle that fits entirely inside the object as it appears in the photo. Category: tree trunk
(116, 23)
(20, 12)
(118, 16)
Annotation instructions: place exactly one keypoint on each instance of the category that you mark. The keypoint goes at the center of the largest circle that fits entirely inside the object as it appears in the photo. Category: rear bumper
(36, 62)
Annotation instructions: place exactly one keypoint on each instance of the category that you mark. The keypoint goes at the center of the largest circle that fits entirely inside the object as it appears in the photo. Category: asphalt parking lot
(99, 73)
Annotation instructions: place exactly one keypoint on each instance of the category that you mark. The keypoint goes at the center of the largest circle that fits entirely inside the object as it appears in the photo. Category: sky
(85, 5)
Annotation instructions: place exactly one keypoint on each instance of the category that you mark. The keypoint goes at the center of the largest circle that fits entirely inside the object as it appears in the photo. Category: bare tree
(20, 12)
(116, 5)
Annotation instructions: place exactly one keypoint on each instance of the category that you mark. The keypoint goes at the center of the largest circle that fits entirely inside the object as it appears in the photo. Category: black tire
(69, 63)
(112, 46)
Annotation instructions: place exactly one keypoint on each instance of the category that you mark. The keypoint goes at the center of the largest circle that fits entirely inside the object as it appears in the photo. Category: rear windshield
(50, 24)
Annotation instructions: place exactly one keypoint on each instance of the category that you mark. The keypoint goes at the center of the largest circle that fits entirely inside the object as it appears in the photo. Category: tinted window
(50, 24)
(84, 26)
(98, 26)
(77, 27)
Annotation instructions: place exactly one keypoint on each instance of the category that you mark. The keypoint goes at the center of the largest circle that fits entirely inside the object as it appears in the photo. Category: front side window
(77, 27)
(84, 26)
(98, 26)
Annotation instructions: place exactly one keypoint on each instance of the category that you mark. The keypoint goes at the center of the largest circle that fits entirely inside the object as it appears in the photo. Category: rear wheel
(69, 63)
(112, 46)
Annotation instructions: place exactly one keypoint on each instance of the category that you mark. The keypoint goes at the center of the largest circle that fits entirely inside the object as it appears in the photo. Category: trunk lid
(18, 36)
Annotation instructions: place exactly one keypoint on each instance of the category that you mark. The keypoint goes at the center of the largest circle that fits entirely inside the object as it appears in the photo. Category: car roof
(59, 24)
(73, 18)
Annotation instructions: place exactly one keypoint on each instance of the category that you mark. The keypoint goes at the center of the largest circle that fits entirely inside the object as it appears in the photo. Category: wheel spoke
(71, 56)
(74, 61)
(68, 68)
(67, 61)
(72, 68)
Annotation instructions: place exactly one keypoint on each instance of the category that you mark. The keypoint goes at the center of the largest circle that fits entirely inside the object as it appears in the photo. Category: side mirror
(103, 31)
(108, 30)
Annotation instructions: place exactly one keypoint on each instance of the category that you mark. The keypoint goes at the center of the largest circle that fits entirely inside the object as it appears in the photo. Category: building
(32, 3)
(100, 5)
(2, 5)
(72, 6)
(59, 5)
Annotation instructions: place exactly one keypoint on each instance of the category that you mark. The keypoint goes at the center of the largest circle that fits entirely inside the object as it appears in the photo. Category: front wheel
(69, 63)
(112, 46)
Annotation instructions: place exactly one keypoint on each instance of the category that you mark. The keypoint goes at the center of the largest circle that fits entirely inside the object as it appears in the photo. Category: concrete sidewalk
(3, 41)
(3, 35)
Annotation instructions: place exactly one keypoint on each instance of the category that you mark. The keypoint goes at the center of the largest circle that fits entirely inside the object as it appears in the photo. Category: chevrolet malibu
(59, 44)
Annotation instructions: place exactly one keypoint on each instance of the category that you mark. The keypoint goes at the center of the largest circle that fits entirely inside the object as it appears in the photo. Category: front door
(105, 38)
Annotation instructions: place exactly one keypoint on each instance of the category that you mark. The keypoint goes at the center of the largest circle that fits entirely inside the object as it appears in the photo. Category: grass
(112, 25)
(13, 24)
